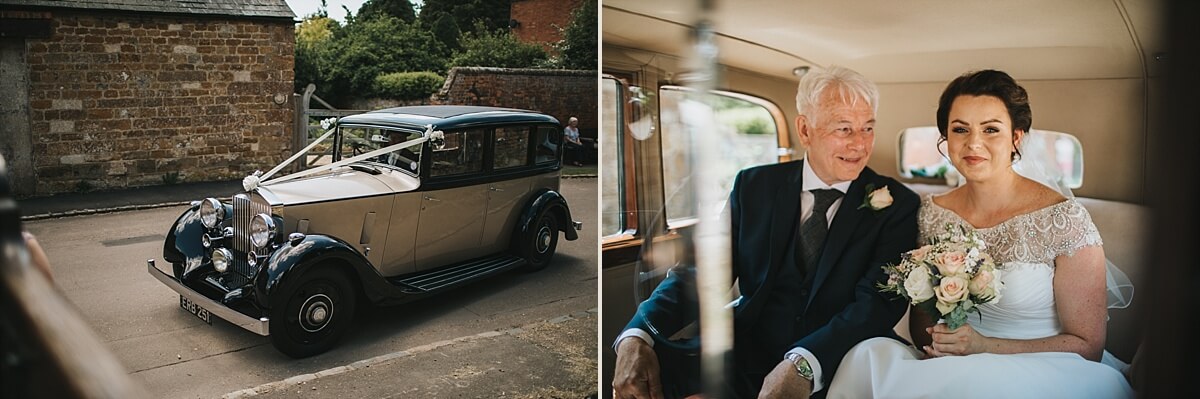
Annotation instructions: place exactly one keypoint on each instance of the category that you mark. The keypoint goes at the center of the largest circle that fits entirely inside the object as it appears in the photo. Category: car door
(452, 211)
(508, 193)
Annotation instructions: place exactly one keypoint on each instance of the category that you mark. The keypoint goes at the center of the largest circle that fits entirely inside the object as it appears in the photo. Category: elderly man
(809, 241)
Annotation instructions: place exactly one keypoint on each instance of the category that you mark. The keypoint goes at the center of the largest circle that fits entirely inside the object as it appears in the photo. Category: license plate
(194, 309)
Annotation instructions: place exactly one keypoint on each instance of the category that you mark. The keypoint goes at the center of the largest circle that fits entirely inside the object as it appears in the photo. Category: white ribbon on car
(252, 181)
(429, 134)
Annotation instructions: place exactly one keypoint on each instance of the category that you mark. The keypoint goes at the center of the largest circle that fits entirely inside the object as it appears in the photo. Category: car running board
(458, 274)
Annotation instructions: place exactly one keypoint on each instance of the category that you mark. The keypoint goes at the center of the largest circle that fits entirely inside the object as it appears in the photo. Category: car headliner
(446, 116)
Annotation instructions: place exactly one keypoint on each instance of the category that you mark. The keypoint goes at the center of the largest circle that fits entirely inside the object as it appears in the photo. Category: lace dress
(1024, 247)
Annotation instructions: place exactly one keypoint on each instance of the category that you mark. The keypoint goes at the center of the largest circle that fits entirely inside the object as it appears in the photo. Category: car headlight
(221, 258)
(211, 212)
(262, 230)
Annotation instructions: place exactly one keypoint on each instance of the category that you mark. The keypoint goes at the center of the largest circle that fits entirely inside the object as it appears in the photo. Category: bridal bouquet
(950, 275)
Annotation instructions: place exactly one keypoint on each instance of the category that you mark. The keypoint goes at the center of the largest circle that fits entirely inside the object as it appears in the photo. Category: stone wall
(559, 93)
(124, 100)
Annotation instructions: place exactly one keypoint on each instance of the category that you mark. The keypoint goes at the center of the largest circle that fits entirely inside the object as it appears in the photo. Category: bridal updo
(992, 83)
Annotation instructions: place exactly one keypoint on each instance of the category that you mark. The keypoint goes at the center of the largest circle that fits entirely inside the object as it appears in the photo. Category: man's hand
(637, 373)
(784, 382)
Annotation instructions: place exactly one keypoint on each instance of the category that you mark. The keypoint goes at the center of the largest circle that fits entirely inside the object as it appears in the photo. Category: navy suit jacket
(843, 305)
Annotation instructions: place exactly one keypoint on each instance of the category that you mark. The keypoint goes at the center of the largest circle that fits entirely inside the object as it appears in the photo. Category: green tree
(497, 49)
(314, 48)
(378, 45)
(402, 9)
(445, 29)
(493, 13)
(577, 49)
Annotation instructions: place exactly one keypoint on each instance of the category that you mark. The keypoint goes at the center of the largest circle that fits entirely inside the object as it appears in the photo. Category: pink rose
(919, 253)
(981, 283)
(951, 263)
(949, 292)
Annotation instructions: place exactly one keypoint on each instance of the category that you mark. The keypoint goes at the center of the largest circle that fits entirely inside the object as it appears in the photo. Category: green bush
(754, 126)
(408, 85)
(497, 49)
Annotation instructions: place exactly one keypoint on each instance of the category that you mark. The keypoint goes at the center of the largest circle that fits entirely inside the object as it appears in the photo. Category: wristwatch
(801, 363)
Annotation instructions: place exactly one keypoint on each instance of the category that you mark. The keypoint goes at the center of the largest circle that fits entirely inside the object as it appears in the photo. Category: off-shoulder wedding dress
(1025, 247)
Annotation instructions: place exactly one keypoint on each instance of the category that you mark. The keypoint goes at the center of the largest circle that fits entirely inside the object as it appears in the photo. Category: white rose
(917, 285)
(881, 198)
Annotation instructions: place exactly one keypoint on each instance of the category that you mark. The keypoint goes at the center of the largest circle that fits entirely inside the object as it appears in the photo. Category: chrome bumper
(260, 326)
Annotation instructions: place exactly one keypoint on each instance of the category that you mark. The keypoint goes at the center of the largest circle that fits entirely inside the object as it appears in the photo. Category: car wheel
(538, 245)
(313, 313)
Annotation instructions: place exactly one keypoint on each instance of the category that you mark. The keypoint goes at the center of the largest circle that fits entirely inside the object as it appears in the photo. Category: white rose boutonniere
(876, 199)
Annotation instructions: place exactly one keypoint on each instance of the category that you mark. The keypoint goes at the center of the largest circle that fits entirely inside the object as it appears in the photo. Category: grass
(585, 170)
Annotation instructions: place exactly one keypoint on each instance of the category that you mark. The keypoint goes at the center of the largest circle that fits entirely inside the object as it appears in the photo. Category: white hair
(850, 85)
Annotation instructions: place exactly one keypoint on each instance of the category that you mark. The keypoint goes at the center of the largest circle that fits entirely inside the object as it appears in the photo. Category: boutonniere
(876, 199)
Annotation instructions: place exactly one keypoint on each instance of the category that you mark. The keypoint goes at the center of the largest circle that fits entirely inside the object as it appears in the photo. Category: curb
(96, 211)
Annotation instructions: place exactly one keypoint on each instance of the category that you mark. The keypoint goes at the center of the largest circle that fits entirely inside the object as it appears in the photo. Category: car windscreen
(361, 140)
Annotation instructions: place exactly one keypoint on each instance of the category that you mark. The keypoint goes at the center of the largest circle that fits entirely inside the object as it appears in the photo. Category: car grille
(244, 208)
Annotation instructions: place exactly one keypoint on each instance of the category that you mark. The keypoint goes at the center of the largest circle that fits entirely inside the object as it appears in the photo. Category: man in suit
(809, 239)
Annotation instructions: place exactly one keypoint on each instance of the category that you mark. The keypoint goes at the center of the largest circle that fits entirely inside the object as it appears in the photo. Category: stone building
(127, 93)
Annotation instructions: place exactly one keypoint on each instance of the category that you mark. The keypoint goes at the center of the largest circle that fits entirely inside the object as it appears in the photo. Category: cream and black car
(397, 204)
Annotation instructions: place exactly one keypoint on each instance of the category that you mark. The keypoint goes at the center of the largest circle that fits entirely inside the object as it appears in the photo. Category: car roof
(446, 116)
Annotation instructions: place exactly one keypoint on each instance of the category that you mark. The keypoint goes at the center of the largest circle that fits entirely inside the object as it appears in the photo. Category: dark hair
(992, 83)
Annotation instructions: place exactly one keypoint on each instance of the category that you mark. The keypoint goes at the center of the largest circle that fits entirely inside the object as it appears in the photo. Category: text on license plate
(193, 308)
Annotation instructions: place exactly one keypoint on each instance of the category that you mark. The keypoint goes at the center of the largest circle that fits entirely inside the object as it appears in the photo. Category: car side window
(548, 138)
(512, 147)
(463, 153)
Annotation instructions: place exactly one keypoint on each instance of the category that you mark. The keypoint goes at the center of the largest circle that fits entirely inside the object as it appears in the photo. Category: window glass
(921, 156)
(357, 141)
(462, 153)
(612, 197)
(548, 139)
(512, 147)
(746, 133)
(360, 140)
(407, 158)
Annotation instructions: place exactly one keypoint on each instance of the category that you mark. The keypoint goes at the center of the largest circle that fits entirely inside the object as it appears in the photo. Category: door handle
(428, 198)
(496, 189)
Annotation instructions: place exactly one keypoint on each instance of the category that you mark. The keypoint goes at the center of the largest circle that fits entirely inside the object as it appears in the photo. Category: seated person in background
(572, 146)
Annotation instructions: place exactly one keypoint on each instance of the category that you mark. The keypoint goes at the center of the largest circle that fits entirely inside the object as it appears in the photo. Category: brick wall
(540, 20)
(126, 100)
(559, 93)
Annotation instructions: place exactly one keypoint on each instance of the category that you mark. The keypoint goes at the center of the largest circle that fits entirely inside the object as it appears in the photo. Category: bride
(1044, 337)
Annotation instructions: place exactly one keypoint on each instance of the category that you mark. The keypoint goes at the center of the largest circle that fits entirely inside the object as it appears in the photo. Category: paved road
(99, 264)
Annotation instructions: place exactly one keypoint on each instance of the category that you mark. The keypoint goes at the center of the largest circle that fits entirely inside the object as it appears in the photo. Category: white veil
(1039, 163)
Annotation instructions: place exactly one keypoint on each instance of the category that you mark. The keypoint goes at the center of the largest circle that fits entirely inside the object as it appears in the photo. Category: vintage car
(403, 203)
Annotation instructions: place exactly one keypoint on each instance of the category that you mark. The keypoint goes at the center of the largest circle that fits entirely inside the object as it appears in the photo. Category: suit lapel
(786, 205)
(783, 210)
(844, 223)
